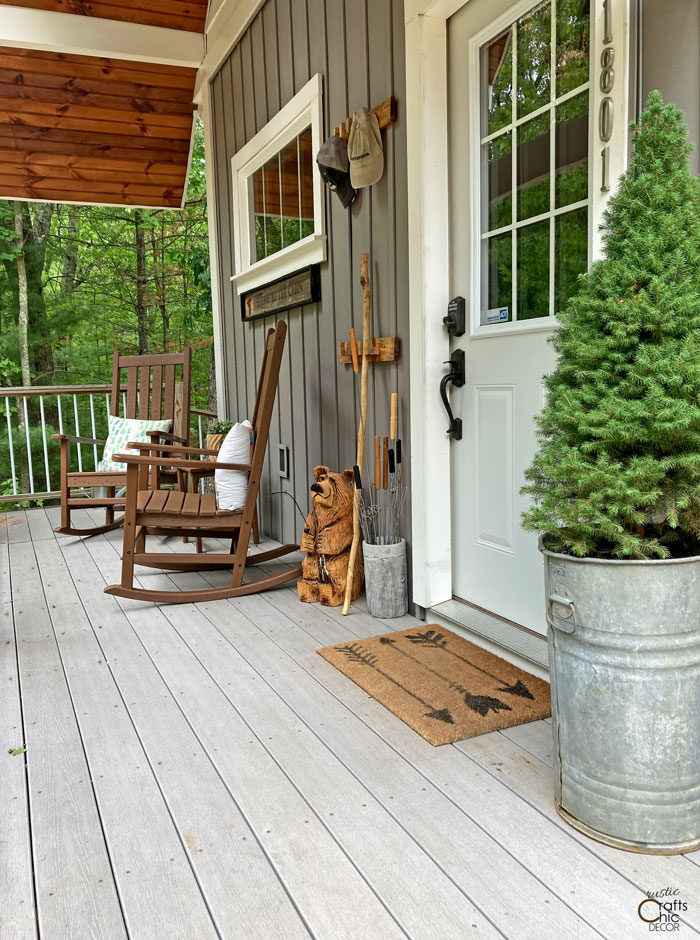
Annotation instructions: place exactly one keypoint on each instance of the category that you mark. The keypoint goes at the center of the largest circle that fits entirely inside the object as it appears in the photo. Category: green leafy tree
(617, 473)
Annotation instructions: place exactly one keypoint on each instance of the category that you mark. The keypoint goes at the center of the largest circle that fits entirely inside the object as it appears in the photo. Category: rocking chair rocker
(162, 397)
(167, 513)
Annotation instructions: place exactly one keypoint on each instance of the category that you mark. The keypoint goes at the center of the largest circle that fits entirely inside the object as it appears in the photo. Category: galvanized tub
(386, 583)
(624, 657)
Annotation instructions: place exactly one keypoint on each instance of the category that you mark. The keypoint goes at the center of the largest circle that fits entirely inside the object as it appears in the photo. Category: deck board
(244, 788)
(17, 919)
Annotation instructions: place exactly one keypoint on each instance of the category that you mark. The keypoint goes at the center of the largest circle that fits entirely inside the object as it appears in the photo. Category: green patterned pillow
(123, 430)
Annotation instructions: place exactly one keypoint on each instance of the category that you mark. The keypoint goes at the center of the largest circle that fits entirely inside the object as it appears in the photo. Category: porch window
(534, 91)
(278, 195)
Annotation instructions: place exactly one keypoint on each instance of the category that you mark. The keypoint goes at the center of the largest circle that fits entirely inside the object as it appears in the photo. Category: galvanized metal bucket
(624, 657)
(386, 583)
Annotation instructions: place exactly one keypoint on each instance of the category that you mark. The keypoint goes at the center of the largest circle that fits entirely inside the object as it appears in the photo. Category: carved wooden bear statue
(326, 539)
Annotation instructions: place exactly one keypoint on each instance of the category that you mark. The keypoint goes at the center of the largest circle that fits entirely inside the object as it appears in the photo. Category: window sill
(310, 250)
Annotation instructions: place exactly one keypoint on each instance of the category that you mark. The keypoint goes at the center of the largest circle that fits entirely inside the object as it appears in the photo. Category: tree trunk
(141, 295)
(70, 258)
(22, 330)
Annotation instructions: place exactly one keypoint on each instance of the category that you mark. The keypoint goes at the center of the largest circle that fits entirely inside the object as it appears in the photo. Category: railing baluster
(29, 447)
(123, 404)
(94, 432)
(43, 437)
(107, 410)
(12, 449)
(77, 432)
(60, 414)
(199, 422)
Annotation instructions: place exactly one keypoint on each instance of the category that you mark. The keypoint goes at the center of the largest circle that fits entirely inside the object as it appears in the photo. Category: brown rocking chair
(165, 395)
(161, 512)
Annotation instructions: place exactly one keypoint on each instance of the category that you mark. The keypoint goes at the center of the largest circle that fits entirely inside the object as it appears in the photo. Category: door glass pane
(533, 270)
(497, 279)
(570, 253)
(497, 79)
(573, 35)
(498, 161)
(533, 167)
(534, 32)
(571, 149)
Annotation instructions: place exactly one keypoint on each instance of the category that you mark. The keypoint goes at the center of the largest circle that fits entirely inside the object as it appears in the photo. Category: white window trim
(478, 329)
(305, 108)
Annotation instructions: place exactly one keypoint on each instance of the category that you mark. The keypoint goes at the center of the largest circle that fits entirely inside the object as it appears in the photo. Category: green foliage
(220, 427)
(617, 473)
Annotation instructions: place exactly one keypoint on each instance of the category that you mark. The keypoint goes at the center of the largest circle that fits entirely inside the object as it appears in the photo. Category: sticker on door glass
(497, 315)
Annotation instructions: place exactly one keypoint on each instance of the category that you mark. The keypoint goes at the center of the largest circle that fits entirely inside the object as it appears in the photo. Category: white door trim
(429, 273)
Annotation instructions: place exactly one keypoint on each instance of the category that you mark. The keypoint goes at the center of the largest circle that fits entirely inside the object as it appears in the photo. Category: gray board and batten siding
(358, 47)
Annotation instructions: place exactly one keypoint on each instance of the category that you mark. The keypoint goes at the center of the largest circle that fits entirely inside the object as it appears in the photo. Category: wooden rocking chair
(165, 395)
(159, 512)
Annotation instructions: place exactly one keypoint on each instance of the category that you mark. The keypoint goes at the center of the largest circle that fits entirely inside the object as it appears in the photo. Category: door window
(534, 162)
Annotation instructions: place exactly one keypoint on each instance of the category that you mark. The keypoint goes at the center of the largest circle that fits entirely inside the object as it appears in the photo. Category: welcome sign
(284, 294)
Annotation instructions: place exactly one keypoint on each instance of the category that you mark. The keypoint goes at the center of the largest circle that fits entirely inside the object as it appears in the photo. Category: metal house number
(607, 80)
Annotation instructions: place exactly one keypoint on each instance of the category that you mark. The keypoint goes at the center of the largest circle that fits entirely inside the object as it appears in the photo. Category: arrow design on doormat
(481, 704)
(438, 641)
(361, 657)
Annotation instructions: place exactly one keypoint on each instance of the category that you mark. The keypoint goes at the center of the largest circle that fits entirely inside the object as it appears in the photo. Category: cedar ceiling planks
(189, 15)
(84, 129)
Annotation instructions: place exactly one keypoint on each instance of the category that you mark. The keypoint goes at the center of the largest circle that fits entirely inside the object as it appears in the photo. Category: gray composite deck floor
(198, 772)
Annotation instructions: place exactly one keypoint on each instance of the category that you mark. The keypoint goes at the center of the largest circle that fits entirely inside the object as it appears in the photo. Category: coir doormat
(442, 686)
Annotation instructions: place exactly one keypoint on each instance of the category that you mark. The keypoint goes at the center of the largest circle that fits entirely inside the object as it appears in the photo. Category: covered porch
(199, 771)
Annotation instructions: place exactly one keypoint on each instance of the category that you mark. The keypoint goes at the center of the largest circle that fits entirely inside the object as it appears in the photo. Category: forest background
(98, 279)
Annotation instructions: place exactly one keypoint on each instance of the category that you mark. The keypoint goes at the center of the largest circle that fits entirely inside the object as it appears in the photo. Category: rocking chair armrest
(178, 464)
(166, 435)
(72, 439)
(171, 448)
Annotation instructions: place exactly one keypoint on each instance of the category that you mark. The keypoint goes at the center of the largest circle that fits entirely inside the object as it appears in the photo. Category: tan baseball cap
(365, 149)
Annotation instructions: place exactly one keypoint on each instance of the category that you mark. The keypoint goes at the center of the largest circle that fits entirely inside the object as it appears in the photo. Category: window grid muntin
(511, 128)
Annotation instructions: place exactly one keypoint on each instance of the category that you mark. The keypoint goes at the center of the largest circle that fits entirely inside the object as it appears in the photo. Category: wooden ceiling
(81, 129)
(189, 15)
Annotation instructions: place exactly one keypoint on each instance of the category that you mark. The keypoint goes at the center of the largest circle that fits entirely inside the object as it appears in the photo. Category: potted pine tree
(615, 488)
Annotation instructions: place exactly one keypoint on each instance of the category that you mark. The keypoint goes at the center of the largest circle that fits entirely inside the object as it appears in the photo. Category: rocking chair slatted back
(151, 387)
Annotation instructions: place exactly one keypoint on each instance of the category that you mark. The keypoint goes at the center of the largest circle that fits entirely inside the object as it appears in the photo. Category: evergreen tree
(617, 473)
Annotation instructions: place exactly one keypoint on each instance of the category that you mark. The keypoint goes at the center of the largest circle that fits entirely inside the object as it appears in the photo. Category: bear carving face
(332, 494)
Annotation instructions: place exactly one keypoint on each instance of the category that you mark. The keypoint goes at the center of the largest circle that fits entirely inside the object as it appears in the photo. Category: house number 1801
(607, 80)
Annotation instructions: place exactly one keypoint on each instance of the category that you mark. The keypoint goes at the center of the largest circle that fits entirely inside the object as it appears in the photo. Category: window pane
(306, 176)
(498, 166)
(273, 222)
(497, 82)
(289, 177)
(570, 253)
(533, 167)
(533, 270)
(497, 279)
(257, 196)
(571, 148)
(534, 32)
(573, 35)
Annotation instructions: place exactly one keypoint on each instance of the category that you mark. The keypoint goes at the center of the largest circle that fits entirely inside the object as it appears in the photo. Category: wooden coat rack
(386, 115)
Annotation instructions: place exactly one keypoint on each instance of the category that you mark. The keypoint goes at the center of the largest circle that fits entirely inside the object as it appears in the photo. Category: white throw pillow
(123, 430)
(232, 485)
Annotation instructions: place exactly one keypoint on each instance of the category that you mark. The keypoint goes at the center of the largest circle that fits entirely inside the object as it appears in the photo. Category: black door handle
(457, 377)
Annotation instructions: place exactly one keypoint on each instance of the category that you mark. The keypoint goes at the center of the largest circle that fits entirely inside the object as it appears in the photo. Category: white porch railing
(29, 459)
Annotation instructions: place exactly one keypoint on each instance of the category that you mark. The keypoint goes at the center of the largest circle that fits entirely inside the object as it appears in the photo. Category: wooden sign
(283, 294)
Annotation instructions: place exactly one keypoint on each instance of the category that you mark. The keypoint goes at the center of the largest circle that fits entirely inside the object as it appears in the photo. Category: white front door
(518, 77)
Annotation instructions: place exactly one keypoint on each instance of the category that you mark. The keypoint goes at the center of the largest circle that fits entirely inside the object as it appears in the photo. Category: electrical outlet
(283, 452)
